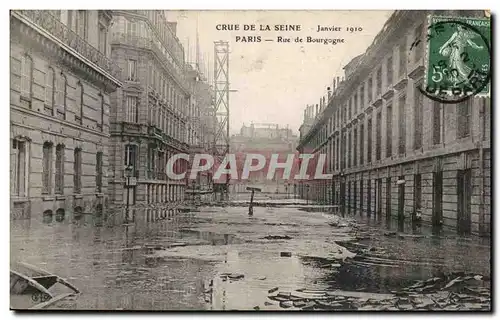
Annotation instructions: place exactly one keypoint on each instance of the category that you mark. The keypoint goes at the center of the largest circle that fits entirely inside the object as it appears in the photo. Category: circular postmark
(458, 64)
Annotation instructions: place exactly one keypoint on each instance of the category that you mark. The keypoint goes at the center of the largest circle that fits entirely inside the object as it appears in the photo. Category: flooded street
(219, 258)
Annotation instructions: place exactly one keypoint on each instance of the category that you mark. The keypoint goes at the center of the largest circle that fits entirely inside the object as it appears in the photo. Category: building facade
(200, 131)
(61, 79)
(149, 114)
(395, 153)
(264, 139)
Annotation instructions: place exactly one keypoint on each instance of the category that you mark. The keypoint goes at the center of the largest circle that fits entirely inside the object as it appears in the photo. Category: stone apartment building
(149, 113)
(200, 130)
(394, 152)
(61, 79)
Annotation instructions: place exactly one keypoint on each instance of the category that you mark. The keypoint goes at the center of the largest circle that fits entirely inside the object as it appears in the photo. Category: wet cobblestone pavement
(282, 258)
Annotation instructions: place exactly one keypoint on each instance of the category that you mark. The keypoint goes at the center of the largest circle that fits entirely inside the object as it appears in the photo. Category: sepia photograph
(250, 160)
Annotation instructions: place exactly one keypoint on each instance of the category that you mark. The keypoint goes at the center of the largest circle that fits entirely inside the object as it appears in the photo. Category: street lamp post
(128, 174)
(294, 191)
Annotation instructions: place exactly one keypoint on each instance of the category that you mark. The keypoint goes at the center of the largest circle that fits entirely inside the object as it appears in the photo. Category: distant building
(61, 79)
(265, 139)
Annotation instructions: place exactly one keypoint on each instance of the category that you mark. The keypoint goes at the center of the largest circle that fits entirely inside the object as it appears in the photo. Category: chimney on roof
(316, 110)
(334, 84)
(338, 82)
(329, 92)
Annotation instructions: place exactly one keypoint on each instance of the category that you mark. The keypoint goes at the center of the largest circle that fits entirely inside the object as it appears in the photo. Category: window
(389, 71)
(130, 155)
(349, 151)
(101, 125)
(402, 124)
(418, 115)
(362, 97)
(79, 103)
(369, 136)
(417, 197)
(379, 81)
(355, 147)
(50, 78)
(378, 145)
(463, 118)
(337, 161)
(59, 169)
(436, 122)
(342, 152)
(103, 34)
(388, 130)
(19, 160)
(77, 20)
(355, 111)
(350, 108)
(77, 171)
(61, 96)
(362, 144)
(402, 59)
(132, 112)
(132, 70)
(47, 168)
(418, 44)
(370, 89)
(26, 78)
(98, 172)
(150, 75)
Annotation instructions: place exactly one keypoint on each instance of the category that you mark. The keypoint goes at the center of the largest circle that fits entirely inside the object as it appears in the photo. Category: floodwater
(175, 262)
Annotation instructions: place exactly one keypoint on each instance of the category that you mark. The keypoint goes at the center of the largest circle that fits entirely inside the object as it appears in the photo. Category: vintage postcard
(250, 160)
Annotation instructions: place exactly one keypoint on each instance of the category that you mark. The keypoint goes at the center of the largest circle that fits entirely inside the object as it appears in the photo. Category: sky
(275, 81)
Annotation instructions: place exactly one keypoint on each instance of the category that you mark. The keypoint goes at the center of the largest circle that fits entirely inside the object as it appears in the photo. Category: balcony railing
(54, 26)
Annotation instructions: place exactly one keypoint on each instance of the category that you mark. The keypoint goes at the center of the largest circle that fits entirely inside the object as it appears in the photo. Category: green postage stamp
(458, 62)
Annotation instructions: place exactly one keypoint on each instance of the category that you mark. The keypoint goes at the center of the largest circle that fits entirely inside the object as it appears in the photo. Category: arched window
(60, 215)
(50, 84)
(19, 157)
(77, 171)
(47, 216)
(47, 168)
(26, 80)
(59, 169)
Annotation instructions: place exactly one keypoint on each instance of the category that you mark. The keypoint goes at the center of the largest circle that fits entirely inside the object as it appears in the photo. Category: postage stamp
(458, 64)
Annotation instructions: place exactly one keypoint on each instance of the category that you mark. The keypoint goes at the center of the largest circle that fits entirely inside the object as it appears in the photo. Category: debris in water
(285, 254)
(273, 290)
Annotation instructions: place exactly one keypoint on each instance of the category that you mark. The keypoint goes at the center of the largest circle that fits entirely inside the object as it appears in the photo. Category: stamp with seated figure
(458, 60)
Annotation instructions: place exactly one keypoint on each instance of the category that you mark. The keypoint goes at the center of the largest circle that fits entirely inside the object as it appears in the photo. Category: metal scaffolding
(221, 105)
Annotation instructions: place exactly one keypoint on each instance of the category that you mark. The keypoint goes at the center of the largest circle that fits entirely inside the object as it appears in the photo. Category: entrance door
(437, 198)
(464, 194)
(369, 198)
(342, 198)
(361, 197)
(388, 199)
(401, 200)
(379, 198)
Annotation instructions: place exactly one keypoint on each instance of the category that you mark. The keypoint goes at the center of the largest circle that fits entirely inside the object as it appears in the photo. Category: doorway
(464, 194)
(437, 199)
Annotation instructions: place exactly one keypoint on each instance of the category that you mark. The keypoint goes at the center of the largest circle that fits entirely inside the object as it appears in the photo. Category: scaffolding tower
(221, 109)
